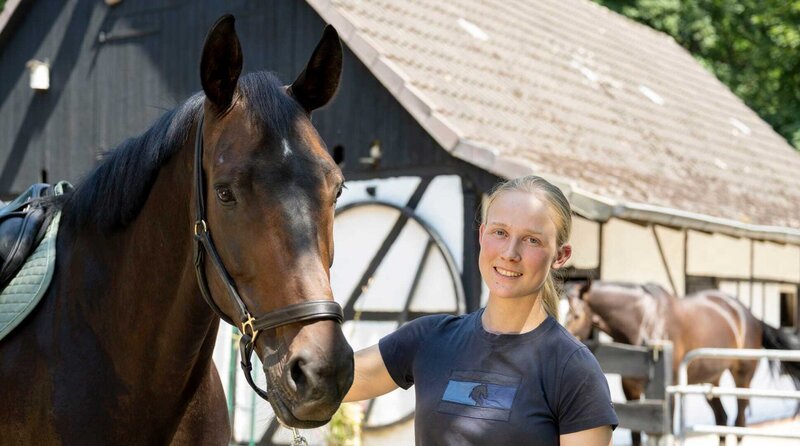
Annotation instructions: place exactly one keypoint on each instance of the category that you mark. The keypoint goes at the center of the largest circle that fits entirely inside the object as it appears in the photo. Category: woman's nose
(510, 251)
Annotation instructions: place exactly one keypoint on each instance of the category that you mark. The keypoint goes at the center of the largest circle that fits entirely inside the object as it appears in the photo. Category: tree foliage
(752, 46)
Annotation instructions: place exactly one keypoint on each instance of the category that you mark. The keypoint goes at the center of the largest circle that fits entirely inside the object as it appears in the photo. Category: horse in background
(639, 314)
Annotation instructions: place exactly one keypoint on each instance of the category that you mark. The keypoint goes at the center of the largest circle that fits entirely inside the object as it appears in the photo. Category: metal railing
(683, 388)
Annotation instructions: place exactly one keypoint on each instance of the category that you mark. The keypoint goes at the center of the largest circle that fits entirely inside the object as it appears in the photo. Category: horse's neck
(144, 298)
(630, 317)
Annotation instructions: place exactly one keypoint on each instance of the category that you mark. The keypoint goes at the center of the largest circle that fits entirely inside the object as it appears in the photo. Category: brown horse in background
(638, 314)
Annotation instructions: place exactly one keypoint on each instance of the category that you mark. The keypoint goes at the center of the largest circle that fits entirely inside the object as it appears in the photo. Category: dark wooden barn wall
(114, 70)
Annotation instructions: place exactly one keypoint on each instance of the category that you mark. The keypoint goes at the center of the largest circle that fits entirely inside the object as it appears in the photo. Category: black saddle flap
(23, 223)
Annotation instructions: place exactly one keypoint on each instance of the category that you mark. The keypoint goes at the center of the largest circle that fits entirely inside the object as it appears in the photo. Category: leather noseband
(250, 326)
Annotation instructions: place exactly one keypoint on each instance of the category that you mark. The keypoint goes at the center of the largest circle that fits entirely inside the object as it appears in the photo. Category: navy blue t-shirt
(475, 387)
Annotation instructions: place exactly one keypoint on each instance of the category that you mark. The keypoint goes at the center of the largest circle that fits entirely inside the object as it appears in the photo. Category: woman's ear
(563, 254)
(481, 228)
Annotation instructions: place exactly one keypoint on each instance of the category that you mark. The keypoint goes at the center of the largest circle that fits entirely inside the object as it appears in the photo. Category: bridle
(249, 326)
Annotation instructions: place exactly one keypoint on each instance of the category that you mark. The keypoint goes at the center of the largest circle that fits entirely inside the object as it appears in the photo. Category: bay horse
(119, 350)
(638, 314)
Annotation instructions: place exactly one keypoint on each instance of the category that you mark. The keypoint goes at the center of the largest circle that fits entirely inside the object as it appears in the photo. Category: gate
(683, 388)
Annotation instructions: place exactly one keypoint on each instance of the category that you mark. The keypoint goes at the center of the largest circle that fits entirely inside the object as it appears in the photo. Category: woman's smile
(506, 273)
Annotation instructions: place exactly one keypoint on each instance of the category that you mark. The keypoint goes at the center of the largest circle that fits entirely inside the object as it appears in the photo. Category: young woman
(508, 373)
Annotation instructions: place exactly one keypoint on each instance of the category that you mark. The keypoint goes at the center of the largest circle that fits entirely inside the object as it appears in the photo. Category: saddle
(23, 222)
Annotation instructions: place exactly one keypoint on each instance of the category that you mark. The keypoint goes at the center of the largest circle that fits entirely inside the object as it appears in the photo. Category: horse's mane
(112, 195)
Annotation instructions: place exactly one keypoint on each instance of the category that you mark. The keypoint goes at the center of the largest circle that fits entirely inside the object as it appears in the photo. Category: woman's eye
(533, 241)
(225, 194)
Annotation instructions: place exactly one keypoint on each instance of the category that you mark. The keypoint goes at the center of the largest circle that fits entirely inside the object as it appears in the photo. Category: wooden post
(656, 390)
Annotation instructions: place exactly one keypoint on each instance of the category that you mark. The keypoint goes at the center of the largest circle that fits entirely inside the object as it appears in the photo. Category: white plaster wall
(731, 287)
(776, 262)
(358, 234)
(672, 242)
(717, 255)
(442, 205)
(630, 254)
(585, 241)
(746, 293)
(442, 208)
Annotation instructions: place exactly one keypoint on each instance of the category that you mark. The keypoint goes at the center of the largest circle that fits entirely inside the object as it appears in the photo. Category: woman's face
(518, 245)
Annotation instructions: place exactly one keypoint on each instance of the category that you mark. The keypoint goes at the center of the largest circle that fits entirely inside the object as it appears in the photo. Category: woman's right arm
(370, 378)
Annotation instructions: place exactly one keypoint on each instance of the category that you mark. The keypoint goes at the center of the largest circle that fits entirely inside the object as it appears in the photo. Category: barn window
(788, 310)
(700, 283)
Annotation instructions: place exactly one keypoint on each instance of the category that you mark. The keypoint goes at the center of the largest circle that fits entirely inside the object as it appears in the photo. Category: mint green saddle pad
(25, 290)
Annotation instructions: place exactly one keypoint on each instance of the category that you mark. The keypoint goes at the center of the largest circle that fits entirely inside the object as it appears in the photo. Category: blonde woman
(507, 374)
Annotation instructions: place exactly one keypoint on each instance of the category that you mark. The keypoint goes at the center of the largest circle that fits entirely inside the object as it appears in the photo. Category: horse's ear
(221, 63)
(585, 288)
(317, 84)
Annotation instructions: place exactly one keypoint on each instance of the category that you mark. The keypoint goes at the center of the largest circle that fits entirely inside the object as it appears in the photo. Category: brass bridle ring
(253, 331)
(200, 227)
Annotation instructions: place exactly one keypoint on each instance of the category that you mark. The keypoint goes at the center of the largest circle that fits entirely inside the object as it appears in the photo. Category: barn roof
(619, 115)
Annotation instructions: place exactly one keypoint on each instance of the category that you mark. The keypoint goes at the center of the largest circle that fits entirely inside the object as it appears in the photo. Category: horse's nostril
(298, 376)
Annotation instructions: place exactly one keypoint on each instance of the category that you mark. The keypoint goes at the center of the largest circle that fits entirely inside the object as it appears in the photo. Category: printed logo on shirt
(478, 394)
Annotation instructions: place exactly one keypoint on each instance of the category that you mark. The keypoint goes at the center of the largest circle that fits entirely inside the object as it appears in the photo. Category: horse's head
(580, 316)
(271, 189)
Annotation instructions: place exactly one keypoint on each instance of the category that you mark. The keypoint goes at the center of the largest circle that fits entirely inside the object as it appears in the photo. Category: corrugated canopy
(618, 112)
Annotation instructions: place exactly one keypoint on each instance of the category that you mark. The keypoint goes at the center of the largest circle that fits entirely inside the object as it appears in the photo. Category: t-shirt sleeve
(584, 401)
(399, 349)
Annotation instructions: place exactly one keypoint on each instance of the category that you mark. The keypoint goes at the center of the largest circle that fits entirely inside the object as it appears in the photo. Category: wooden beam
(626, 360)
(642, 416)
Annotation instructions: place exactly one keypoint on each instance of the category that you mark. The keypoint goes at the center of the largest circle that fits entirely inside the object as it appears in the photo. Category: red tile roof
(568, 89)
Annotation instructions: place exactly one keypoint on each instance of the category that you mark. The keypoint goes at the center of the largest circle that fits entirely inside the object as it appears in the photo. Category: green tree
(752, 46)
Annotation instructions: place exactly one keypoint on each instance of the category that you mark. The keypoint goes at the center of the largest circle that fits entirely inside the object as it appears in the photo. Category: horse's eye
(225, 194)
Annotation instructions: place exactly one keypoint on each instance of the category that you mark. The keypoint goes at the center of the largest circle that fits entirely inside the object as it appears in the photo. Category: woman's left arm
(599, 436)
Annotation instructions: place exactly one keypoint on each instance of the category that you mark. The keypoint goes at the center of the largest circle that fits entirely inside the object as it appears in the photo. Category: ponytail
(550, 296)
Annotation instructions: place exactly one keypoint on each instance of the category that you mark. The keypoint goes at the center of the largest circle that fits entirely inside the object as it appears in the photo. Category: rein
(249, 326)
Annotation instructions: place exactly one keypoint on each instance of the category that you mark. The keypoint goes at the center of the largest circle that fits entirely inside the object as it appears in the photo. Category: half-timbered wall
(642, 253)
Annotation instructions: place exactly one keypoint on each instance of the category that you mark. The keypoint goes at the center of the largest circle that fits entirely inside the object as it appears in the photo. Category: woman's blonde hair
(560, 213)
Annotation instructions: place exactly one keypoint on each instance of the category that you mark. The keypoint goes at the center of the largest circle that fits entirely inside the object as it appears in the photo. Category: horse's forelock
(268, 105)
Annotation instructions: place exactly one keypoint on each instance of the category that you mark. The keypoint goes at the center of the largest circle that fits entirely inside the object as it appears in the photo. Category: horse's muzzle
(316, 377)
